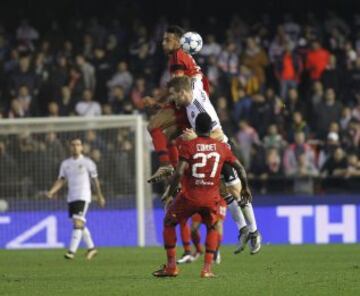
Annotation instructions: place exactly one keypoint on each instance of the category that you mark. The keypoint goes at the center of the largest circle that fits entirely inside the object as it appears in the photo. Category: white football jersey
(201, 103)
(77, 172)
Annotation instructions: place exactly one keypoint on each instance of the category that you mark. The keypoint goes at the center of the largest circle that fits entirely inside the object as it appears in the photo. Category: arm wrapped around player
(245, 191)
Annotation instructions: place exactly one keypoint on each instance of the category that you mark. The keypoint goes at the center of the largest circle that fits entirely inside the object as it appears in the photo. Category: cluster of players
(187, 134)
(204, 176)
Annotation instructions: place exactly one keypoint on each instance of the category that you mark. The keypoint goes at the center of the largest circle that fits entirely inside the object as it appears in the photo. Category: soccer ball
(191, 42)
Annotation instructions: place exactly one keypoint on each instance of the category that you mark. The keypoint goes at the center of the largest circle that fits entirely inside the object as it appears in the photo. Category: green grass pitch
(276, 270)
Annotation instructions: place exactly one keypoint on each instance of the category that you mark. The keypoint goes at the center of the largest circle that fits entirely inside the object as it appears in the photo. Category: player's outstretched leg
(161, 147)
(169, 235)
(185, 238)
(162, 120)
(254, 234)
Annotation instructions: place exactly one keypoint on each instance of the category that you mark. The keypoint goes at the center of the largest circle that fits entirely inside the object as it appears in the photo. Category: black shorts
(78, 209)
(229, 175)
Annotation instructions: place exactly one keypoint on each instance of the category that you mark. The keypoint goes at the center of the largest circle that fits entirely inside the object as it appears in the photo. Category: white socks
(86, 235)
(250, 216)
(75, 239)
(236, 214)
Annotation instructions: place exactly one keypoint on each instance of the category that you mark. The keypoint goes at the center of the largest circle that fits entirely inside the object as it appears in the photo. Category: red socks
(185, 236)
(169, 234)
(160, 144)
(212, 239)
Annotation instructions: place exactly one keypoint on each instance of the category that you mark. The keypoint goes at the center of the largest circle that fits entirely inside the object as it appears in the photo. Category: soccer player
(189, 94)
(169, 121)
(199, 168)
(76, 171)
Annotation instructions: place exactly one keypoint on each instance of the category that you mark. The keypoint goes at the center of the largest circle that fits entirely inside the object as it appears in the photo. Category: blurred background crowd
(286, 88)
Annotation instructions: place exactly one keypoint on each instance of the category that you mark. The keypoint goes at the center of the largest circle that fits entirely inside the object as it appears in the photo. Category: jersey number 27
(203, 162)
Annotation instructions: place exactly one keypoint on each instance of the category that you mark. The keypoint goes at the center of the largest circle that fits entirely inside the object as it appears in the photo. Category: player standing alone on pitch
(77, 172)
(200, 164)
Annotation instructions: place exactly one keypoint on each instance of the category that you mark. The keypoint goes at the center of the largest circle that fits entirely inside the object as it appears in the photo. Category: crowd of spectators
(287, 91)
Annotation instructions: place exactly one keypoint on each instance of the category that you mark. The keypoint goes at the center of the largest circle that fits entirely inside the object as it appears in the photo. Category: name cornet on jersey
(205, 147)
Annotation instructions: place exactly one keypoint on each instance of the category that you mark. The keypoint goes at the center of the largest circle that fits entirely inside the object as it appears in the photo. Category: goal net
(31, 151)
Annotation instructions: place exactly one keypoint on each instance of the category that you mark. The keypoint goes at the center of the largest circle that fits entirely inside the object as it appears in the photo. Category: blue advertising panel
(279, 224)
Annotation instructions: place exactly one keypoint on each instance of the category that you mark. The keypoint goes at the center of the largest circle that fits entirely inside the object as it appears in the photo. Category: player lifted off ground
(77, 171)
(200, 164)
(187, 93)
(169, 121)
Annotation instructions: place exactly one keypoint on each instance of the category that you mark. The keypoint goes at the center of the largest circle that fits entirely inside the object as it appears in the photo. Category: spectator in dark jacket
(24, 75)
(261, 114)
(103, 70)
(59, 75)
(331, 76)
(326, 112)
(298, 125)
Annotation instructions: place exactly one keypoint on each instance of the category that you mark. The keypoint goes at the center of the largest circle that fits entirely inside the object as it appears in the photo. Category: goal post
(121, 145)
(140, 188)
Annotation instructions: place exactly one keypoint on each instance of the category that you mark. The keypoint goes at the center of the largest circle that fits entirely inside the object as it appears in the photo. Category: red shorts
(182, 121)
(182, 209)
(196, 218)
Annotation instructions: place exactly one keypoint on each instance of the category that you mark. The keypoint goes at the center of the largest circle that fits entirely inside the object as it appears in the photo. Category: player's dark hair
(178, 31)
(179, 83)
(203, 123)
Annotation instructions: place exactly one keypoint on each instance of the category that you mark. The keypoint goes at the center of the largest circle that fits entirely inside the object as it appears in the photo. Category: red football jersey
(205, 157)
(182, 61)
